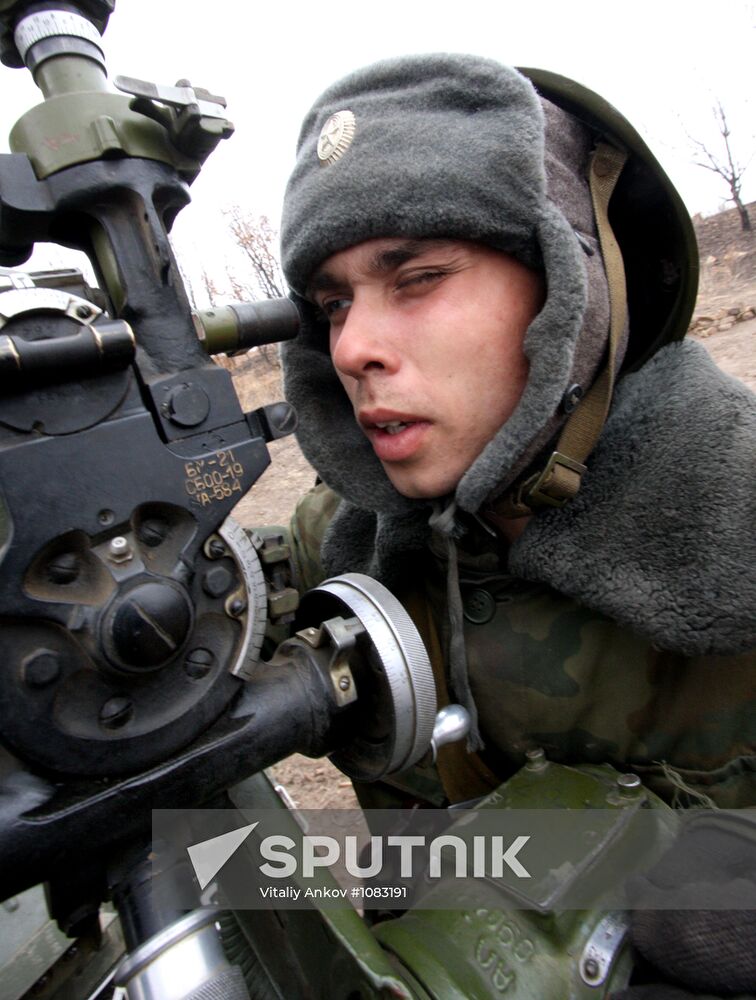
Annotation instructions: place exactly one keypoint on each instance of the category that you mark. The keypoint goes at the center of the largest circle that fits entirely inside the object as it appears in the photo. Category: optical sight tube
(239, 327)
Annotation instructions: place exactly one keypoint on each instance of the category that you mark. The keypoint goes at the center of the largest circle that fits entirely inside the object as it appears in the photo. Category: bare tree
(726, 167)
(242, 292)
(257, 240)
(210, 288)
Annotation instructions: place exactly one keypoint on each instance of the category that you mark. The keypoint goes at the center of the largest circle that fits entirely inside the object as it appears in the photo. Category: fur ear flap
(550, 348)
(381, 545)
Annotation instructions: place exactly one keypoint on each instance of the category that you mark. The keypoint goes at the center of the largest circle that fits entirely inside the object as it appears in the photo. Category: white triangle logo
(209, 856)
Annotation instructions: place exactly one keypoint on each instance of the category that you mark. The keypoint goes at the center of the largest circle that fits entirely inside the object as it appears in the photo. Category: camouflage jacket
(548, 672)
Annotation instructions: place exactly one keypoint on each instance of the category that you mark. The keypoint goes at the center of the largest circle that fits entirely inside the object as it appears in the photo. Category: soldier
(496, 276)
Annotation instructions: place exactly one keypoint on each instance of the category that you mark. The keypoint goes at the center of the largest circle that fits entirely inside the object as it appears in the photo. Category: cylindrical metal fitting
(233, 328)
(173, 964)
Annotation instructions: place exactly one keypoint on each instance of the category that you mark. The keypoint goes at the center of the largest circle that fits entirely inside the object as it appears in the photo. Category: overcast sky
(661, 62)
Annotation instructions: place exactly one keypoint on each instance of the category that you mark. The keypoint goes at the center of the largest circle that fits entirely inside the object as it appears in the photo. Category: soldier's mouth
(394, 437)
(394, 426)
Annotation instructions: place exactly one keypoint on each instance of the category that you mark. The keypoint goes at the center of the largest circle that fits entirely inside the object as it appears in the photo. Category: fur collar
(662, 535)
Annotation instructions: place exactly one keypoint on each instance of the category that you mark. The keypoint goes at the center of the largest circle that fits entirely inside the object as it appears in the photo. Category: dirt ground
(728, 280)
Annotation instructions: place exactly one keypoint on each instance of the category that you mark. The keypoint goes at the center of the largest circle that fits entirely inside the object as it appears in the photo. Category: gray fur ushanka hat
(456, 147)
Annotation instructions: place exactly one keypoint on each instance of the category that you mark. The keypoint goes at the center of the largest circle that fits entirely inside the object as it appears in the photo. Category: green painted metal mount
(80, 127)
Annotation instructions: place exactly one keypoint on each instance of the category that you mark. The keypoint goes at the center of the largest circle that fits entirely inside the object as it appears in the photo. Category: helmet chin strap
(560, 479)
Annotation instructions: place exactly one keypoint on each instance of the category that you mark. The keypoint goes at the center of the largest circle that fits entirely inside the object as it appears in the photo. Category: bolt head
(198, 662)
(216, 549)
(237, 607)
(119, 549)
(629, 786)
(217, 581)
(42, 669)
(188, 405)
(535, 760)
(344, 683)
(282, 418)
(116, 712)
(590, 968)
(63, 568)
(628, 782)
(153, 531)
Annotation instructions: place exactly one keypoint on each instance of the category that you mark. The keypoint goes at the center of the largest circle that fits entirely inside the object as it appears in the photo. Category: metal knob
(452, 724)
(396, 693)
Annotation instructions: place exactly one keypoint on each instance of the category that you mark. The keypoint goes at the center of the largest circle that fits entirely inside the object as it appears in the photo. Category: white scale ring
(404, 660)
(51, 24)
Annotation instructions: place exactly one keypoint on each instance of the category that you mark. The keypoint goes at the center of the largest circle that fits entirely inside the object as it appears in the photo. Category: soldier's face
(427, 339)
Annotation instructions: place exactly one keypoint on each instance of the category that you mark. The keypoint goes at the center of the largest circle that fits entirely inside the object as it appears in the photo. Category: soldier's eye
(419, 278)
(335, 306)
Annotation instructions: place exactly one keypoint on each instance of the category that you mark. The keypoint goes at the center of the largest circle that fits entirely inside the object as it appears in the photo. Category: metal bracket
(275, 556)
(602, 947)
(183, 95)
(193, 118)
(341, 634)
